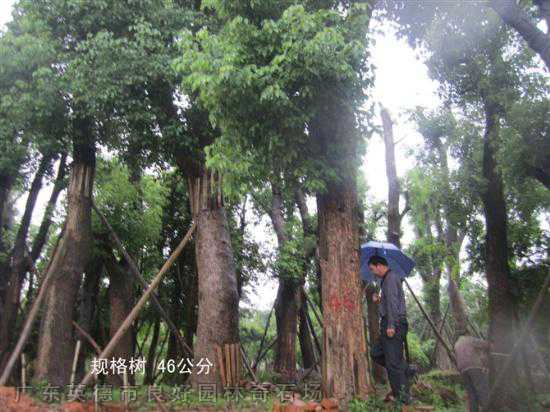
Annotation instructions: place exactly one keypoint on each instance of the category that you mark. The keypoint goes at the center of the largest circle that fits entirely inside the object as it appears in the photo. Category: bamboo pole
(23, 372)
(313, 333)
(263, 337)
(75, 360)
(27, 327)
(264, 353)
(125, 383)
(313, 307)
(221, 365)
(144, 298)
(247, 365)
(85, 335)
(228, 365)
(434, 328)
(137, 275)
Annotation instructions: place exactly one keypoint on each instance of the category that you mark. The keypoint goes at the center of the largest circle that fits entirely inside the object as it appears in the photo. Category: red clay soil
(11, 402)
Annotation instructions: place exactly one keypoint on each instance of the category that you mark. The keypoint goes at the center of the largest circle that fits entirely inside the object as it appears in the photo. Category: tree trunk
(218, 314)
(121, 302)
(150, 365)
(304, 336)
(516, 17)
(287, 303)
(501, 302)
(6, 183)
(304, 332)
(373, 319)
(56, 343)
(42, 235)
(345, 365)
(18, 261)
(394, 190)
(88, 310)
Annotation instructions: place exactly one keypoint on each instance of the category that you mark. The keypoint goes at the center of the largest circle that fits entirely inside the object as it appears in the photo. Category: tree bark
(18, 260)
(501, 302)
(394, 189)
(42, 235)
(516, 17)
(218, 313)
(150, 364)
(56, 344)
(345, 368)
(121, 302)
(88, 309)
(287, 302)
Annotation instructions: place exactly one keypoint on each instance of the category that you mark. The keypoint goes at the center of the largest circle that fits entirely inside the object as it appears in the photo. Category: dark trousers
(476, 383)
(388, 352)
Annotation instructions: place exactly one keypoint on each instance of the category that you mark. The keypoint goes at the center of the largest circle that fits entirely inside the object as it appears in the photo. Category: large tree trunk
(501, 303)
(287, 303)
(516, 17)
(88, 310)
(56, 343)
(121, 302)
(345, 365)
(18, 261)
(218, 314)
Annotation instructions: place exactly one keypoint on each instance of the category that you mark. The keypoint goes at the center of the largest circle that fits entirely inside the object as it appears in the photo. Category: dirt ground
(11, 401)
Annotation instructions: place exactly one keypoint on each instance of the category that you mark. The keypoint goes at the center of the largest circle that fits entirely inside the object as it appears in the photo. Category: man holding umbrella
(388, 352)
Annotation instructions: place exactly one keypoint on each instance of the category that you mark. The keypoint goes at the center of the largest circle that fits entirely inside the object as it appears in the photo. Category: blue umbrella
(397, 260)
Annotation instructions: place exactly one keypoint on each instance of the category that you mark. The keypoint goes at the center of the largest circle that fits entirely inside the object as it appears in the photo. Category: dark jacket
(392, 304)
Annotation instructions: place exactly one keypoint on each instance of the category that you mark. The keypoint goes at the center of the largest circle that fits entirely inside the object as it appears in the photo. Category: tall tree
(259, 75)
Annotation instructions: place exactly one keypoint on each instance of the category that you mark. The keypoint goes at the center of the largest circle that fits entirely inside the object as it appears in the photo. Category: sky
(401, 84)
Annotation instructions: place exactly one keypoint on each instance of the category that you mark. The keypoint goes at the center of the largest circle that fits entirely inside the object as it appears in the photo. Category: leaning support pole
(75, 360)
(108, 350)
(135, 272)
(86, 336)
(434, 328)
(27, 327)
(263, 338)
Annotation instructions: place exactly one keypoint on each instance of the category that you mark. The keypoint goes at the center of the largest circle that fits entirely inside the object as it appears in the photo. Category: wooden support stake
(75, 360)
(85, 335)
(434, 328)
(247, 365)
(262, 355)
(23, 372)
(144, 298)
(137, 275)
(263, 338)
(228, 366)
(313, 307)
(235, 355)
(313, 333)
(159, 402)
(221, 365)
(27, 327)
(125, 384)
